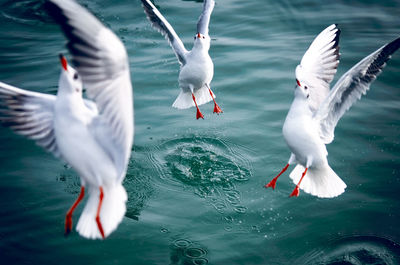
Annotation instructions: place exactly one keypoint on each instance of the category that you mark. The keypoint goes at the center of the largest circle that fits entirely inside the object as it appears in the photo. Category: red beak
(198, 35)
(64, 62)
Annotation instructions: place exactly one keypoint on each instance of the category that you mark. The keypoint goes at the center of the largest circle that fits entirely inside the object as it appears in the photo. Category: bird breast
(89, 159)
(301, 135)
(197, 71)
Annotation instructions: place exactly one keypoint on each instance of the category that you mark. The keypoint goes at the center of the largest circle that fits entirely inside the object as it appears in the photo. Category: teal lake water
(195, 187)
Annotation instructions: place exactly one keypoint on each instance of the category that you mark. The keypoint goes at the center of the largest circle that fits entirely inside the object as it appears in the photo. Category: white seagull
(197, 68)
(93, 135)
(316, 110)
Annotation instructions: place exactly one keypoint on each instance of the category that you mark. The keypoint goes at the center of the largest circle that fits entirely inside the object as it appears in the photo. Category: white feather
(318, 65)
(112, 211)
(319, 181)
(185, 101)
(350, 87)
(162, 25)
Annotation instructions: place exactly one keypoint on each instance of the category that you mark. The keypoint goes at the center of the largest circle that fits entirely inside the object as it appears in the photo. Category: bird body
(93, 135)
(300, 132)
(72, 127)
(197, 68)
(197, 72)
(316, 109)
(301, 135)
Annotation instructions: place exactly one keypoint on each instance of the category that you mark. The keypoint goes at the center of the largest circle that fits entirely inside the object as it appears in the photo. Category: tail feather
(112, 211)
(185, 101)
(321, 182)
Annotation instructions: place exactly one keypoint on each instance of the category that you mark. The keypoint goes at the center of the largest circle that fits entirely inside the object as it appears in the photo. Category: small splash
(182, 243)
(355, 250)
(184, 251)
(228, 228)
(195, 253)
(164, 230)
(71, 180)
(210, 167)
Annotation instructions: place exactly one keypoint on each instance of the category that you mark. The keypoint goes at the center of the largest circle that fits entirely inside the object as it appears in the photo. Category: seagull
(197, 68)
(316, 109)
(93, 135)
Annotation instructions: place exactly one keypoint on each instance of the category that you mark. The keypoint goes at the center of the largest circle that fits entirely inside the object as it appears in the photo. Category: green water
(195, 187)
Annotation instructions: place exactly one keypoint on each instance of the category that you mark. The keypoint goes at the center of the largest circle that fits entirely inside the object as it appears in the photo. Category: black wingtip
(53, 10)
(337, 37)
(392, 47)
(383, 56)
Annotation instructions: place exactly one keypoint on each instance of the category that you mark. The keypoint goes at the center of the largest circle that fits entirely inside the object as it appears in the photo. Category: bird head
(202, 41)
(301, 90)
(69, 80)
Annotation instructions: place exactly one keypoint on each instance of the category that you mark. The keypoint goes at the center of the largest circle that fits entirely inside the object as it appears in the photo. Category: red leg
(296, 190)
(68, 217)
(98, 213)
(198, 114)
(272, 183)
(217, 109)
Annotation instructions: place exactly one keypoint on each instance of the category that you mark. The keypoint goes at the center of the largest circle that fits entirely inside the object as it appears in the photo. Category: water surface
(195, 187)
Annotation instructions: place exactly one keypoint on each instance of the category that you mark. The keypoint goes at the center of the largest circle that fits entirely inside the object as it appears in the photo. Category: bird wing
(350, 87)
(102, 62)
(29, 114)
(318, 65)
(158, 21)
(204, 19)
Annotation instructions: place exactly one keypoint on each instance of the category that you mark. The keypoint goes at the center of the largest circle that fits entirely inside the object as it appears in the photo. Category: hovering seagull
(93, 135)
(316, 110)
(197, 68)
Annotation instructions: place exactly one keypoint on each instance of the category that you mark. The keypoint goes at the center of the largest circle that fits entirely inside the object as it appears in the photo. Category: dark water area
(195, 187)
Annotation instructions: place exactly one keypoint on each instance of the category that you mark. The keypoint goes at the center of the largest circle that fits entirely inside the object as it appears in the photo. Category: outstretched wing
(102, 62)
(29, 114)
(204, 19)
(350, 87)
(161, 24)
(318, 65)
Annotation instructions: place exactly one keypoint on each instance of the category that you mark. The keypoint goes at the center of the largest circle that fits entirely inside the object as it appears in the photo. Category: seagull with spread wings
(197, 68)
(316, 110)
(93, 135)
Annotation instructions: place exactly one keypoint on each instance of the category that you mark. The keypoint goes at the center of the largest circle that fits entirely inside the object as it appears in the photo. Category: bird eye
(75, 76)
(204, 37)
(305, 87)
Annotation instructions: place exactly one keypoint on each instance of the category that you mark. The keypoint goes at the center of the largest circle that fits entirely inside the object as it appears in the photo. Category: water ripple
(136, 183)
(356, 250)
(25, 11)
(184, 251)
(210, 167)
